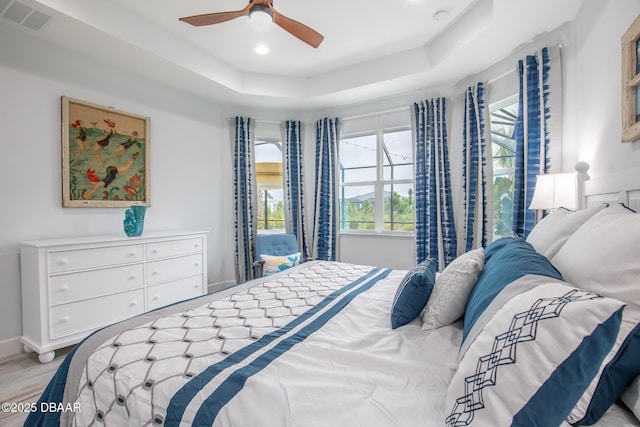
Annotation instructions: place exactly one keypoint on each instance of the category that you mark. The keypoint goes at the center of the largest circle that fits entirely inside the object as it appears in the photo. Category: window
(270, 186)
(376, 181)
(503, 146)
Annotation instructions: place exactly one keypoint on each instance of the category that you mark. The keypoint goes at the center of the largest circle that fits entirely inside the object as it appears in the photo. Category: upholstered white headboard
(622, 186)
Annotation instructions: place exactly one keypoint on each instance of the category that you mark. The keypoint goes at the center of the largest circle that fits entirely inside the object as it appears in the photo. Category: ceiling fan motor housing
(261, 8)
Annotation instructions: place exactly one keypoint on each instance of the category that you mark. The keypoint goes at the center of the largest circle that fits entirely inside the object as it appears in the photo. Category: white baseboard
(215, 287)
(10, 346)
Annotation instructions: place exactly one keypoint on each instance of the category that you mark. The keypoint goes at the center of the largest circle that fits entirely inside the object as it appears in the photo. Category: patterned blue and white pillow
(413, 293)
(542, 352)
(274, 264)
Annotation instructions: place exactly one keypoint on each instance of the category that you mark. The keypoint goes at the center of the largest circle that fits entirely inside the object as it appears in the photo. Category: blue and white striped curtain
(477, 227)
(535, 133)
(245, 196)
(293, 183)
(434, 223)
(326, 213)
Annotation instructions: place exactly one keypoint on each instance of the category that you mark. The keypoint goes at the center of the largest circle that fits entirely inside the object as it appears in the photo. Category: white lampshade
(554, 191)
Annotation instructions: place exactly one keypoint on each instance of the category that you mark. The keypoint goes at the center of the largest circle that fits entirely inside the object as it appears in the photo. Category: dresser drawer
(85, 316)
(167, 293)
(94, 283)
(173, 268)
(91, 258)
(174, 248)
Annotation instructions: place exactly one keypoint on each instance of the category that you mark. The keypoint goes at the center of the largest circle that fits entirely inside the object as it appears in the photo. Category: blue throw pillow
(496, 246)
(413, 293)
(509, 259)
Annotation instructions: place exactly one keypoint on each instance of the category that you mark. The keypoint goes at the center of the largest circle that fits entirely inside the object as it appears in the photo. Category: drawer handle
(133, 277)
(156, 297)
(63, 261)
(196, 264)
(154, 251)
(63, 288)
(197, 245)
(133, 253)
(65, 319)
(155, 272)
(134, 303)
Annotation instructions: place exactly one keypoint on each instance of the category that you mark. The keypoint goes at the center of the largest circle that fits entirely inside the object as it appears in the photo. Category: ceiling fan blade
(295, 28)
(216, 18)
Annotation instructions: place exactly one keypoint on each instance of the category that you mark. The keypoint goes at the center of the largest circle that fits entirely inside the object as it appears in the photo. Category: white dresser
(71, 287)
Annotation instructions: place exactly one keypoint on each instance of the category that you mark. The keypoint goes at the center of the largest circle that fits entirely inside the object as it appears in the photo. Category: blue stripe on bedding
(557, 396)
(617, 375)
(53, 393)
(230, 387)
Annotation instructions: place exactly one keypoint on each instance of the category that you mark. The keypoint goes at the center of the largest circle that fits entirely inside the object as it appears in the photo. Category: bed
(523, 332)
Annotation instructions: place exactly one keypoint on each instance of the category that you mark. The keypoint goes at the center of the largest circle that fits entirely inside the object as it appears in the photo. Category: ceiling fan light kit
(295, 28)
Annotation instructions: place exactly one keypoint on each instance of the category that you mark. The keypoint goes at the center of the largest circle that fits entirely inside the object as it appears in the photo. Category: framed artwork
(105, 156)
(630, 83)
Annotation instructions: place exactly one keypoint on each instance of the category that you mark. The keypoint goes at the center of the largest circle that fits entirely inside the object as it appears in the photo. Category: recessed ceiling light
(262, 49)
(441, 15)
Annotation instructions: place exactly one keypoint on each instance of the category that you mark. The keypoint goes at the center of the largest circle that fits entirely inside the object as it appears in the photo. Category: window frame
(279, 143)
(378, 184)
(505, 102)
(630, 82)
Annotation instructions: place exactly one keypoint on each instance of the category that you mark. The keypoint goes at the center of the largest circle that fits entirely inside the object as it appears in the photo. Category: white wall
(188, 171)
(593, 111)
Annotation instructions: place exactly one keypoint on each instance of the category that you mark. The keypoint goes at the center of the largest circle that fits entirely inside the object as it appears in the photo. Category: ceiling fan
(301, 31)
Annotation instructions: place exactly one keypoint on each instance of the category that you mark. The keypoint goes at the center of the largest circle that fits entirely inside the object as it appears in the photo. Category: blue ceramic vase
(134, 220)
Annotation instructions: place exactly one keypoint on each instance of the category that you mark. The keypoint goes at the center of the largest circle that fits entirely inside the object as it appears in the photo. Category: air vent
(22, 14)
(36, 20)
(3, 5)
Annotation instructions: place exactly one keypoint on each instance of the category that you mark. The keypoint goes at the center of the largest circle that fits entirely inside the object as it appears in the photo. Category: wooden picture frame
(105, 156)
(630, 83)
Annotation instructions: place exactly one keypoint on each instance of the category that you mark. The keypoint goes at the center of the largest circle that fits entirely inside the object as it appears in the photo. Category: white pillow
(631, 397)
(552, 231)
(602, 255)
(274, 264)
(451, 290)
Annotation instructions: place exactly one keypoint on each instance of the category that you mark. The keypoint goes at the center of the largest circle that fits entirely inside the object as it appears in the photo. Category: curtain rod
(266, 122)
(361, 116)
(501, 76)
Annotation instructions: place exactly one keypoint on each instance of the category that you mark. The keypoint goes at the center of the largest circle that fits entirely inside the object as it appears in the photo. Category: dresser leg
(47, 357)
(28, 349)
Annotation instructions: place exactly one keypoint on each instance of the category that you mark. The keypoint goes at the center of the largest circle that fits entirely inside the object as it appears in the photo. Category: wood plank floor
(22, 380)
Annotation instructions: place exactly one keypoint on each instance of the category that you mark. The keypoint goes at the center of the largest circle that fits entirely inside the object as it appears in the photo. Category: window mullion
(379, 186)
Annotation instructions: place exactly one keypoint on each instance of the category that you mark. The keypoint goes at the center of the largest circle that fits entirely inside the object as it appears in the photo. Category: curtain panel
(477, 227)
(537, 130)
(326, 213)
(434, 223)
(293, 183)
(245, 197)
